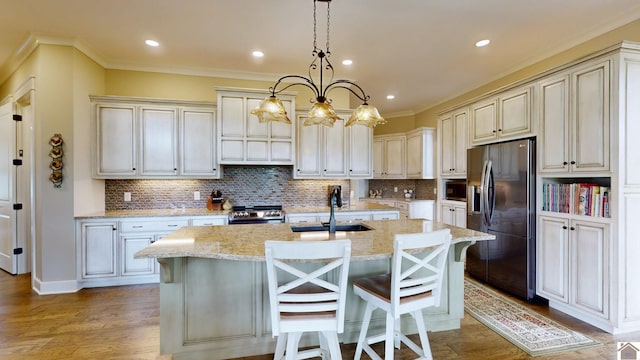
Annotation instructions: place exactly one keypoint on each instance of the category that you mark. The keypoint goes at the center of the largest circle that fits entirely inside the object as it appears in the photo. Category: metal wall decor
(56, 160)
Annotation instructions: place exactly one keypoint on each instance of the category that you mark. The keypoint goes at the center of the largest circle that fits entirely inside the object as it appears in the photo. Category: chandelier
(271, 108)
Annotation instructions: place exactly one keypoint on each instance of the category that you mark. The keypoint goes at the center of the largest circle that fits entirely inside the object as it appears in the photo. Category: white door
(8, 225)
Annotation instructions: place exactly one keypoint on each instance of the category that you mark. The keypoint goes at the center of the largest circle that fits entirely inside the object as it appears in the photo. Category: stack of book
(579, 198)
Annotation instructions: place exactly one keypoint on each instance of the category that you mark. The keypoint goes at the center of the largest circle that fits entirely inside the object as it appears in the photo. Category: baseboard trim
(53, 287)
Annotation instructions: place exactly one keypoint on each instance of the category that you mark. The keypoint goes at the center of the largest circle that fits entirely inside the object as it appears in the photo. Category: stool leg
(396, 333)
(363, 331)
(389, 342)
(333, 344)
(292, 346)
(422, 331)
(280, 342)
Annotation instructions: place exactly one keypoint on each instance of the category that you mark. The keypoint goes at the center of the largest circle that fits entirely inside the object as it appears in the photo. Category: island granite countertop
(246, 242)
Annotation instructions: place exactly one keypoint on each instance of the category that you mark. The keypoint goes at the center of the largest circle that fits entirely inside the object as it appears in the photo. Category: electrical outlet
(127, 196)
(435, 191)
(395, 189)
(196, 195)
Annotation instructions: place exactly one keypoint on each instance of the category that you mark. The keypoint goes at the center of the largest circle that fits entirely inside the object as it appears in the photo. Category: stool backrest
(296, 286)
(418, 267)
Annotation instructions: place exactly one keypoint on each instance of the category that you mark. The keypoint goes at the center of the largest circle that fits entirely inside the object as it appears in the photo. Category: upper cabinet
(420, 154)
(389, 153)
(453, 143)
(574, 118)
(506, 116)
(146, 138)
(246, 141)
(333, 152)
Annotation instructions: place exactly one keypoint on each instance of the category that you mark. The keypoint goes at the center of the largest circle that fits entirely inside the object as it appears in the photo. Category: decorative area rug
(526, 329)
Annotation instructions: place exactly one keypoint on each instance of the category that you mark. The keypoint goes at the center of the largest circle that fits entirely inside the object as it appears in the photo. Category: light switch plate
(127, 196)
(196, 195)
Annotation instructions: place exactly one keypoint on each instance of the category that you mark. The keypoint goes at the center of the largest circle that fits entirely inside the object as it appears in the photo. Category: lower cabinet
(107, 247)
(453, 213)
(343, 216)
(572, 264)
(414, 209)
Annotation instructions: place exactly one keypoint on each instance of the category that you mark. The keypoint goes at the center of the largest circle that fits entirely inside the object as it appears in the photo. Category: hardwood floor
(123, 323)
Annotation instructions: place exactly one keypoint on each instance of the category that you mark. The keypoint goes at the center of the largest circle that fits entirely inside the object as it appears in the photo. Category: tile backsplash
(423, 188)
(242, 185)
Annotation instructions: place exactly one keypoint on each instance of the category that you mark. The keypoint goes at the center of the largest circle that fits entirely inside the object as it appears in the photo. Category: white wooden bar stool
(304, 300)
(414, 284)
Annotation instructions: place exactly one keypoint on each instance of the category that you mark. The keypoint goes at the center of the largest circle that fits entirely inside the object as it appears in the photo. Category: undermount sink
(340, 227)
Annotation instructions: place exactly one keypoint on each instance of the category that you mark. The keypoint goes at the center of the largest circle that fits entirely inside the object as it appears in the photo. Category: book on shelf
(585, 199)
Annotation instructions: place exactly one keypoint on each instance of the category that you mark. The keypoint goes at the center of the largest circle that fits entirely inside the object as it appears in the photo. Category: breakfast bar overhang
(214, 301)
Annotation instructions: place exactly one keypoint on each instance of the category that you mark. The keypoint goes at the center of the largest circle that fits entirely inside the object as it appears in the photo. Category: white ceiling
(422, 51)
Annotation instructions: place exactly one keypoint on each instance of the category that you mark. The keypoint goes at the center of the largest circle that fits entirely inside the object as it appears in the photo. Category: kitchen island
(214, 301)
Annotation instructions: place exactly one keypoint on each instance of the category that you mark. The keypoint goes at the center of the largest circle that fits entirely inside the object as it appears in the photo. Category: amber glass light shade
(271, 109)
(366, 115)
(321, 113)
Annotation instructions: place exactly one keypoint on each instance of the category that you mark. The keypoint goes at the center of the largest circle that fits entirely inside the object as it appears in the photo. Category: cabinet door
(460, 215)
(198, 144)
(116, 145)
(554, 121)
(360, 152)
(98, 250)
(308, 164)
(447, 145)
(552, 260)
(483, 122)
(590, 119)
(590, 251)
(335, 150)
(158, 140)
(378, 158)
(232, 125)
(394, 158)
(461, 135)
(447, 214)
(515, 113)
(281, 135)
(130, 265)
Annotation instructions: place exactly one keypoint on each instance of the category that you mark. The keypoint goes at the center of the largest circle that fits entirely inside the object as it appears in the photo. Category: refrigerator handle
(486, 175)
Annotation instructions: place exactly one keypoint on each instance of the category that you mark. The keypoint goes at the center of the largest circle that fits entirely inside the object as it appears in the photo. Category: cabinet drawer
(385, 216)
(152, 226)
(302, 218)
(353, 217)
(209, 221)
(402, 205)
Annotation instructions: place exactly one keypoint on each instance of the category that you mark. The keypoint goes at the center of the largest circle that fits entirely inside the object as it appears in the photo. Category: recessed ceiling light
(482, 43)
(347, 62)
(391, 97)
(257, 53)
(152, 43)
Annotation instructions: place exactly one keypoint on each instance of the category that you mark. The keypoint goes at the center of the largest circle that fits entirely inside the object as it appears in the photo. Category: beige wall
(395, 125)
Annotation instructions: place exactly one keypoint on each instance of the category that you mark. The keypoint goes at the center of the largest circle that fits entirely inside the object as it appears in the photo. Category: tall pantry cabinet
(587, 265)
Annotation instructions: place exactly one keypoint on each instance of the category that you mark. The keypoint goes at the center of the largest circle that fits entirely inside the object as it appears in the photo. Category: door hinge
(17, 117)
(17, 162)
(17, 206)
(17, 251)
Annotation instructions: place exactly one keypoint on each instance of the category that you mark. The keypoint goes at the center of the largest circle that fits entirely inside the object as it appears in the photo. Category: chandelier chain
(328, 23)
(315, 43)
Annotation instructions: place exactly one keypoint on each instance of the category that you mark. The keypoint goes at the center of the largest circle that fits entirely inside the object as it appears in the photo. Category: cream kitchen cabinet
(322, 150)
(389, 152)
(98, 249)
(410, 209)
(420, 154)
(246, 141)
(198, 143)
(360, 151)
(573, 264)
(149, 138)
(453, 133)
(453, 213)
(158, 141)
(574, 117)
(503, 117)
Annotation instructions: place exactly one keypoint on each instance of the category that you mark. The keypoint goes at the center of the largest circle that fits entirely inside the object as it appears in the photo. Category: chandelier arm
(308, 83)
(343, 84)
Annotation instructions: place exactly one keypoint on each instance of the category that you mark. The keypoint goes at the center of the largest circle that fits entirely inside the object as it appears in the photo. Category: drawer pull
(137, 226)
(172, 225)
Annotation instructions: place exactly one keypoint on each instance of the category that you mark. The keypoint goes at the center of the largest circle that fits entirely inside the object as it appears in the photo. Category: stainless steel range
(259, 214)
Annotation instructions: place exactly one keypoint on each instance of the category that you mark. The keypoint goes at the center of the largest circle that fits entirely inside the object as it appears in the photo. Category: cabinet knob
(494, 131)
(565, 163)
(134, 169)
(564, 227)
(573, 162)
(113, 228)
(350, 170)
(175, 169)
(572, 228)
(499, 129)
(215, 169)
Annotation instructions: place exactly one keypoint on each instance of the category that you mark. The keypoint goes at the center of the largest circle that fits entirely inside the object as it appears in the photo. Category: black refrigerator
(501, 202)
